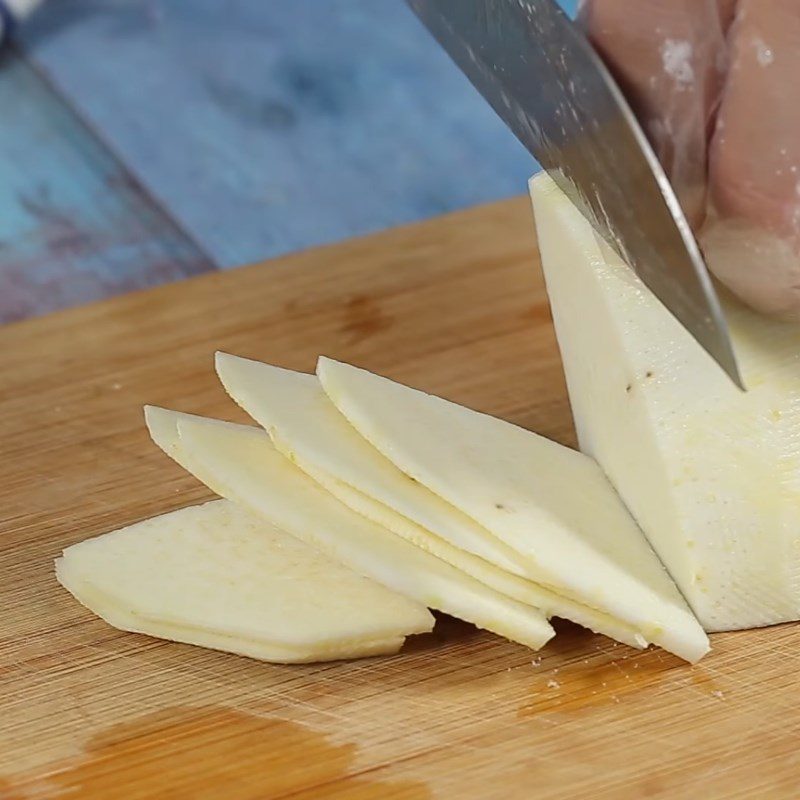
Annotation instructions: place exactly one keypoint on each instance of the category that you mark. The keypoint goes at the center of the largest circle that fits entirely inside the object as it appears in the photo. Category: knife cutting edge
(536, 68)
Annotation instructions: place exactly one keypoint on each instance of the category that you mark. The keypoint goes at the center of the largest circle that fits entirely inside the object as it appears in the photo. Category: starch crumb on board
(551, 684)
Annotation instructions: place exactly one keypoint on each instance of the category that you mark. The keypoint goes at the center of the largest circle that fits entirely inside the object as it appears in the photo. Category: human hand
(716, 87)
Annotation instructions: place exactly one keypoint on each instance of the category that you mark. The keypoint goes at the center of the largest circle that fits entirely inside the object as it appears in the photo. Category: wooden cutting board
(455, 306)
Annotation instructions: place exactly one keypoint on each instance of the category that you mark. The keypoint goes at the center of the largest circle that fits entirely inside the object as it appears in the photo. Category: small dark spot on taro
(629, 387)
(649, 374)
(499, 506)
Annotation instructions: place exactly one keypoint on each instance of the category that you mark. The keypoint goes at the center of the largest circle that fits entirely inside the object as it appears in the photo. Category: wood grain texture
(456, 306)
(74, 225)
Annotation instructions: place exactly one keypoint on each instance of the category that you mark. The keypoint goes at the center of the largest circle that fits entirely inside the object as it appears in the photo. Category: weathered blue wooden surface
(73, 227)
(260, 126)
(269, 126)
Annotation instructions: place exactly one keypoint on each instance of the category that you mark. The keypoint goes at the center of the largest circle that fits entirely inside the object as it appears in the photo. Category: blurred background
(143, 141)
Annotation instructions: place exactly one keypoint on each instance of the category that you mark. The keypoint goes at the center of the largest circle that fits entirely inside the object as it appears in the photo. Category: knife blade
(536, 68)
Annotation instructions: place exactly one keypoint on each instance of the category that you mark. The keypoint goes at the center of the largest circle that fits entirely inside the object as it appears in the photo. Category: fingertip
(760, 267)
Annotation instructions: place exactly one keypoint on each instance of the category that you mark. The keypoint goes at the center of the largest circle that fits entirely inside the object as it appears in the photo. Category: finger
(667, 59)
(752, 240)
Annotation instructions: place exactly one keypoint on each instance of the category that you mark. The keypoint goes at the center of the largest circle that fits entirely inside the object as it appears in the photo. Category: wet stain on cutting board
(207, 753)
(608, 678)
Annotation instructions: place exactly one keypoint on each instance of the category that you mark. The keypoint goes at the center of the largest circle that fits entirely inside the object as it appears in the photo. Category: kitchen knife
(536, 68)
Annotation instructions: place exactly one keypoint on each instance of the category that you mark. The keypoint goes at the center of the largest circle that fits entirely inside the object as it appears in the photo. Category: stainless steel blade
(540, 74)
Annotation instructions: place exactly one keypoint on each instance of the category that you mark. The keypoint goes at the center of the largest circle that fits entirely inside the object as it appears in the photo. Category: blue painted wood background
(147, 140)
